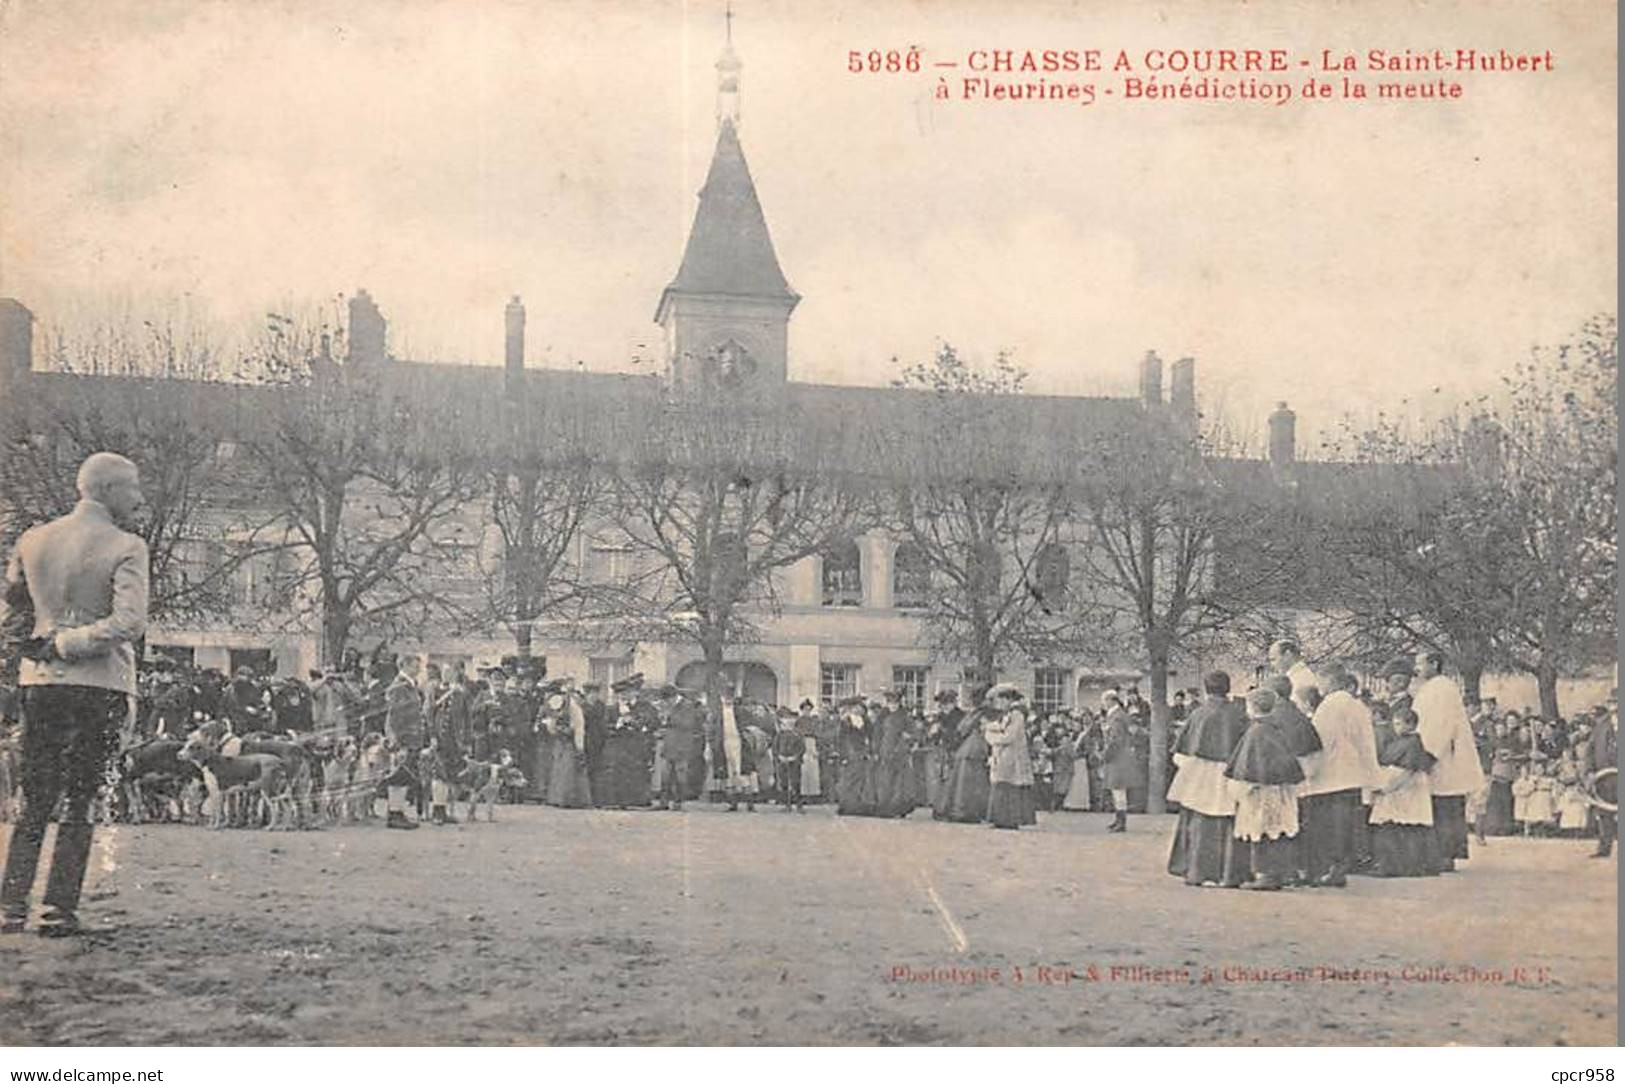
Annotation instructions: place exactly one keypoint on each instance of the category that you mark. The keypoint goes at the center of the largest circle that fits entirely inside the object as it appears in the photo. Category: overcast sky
(445, 155)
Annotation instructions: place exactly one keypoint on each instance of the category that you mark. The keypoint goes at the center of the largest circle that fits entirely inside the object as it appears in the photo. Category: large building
(846, 620)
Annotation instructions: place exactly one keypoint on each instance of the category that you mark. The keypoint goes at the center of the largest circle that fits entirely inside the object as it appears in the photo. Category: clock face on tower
(729, 365)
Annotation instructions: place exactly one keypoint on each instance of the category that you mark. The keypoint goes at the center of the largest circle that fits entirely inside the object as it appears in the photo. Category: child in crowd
(1264, 777)
(1402, 806)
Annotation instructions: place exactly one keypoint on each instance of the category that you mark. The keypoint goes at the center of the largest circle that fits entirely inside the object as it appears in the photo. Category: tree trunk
(1546, 682)
(712, 647)
(521, 639)
(1157, 785)
(1472, 680)
(335, 633)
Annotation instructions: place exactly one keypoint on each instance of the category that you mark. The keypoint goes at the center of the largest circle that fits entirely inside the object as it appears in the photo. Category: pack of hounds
(286, 781)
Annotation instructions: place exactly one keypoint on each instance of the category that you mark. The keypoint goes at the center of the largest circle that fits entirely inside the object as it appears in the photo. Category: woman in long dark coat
(624, 773)
(569, 786)
(857, 792)
(894, 770)
(970, 788)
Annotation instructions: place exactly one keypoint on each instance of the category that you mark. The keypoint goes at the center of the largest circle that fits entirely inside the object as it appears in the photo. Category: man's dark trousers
(69, 732)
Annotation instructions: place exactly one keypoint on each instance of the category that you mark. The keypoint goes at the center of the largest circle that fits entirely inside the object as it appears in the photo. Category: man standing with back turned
(76, 595)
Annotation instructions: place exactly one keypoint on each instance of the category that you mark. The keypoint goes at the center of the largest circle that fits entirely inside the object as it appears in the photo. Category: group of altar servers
(1303, 782)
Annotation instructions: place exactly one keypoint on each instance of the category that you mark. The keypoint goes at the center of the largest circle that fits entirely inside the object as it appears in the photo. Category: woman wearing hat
(894, 780)
(970, 788)
(857, 793)
(569, 786)
(942, 733)
(1010, 768)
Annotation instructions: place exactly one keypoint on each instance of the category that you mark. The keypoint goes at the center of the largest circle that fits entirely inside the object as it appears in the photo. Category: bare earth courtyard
(599, 927)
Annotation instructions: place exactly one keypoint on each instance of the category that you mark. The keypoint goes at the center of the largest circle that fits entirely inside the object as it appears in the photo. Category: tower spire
(728, 67)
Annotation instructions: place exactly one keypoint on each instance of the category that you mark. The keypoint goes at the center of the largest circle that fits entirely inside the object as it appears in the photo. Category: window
(1051, 571)
(1049, 688)
(179, 654)
(837, 680)
(843, 575)
(257, 659)
(911, 578)
(911, 683)
(973, 676)
(607, 672)
(608, 562)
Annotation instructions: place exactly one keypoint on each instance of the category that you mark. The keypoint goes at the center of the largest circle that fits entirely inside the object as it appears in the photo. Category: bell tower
(726, 314)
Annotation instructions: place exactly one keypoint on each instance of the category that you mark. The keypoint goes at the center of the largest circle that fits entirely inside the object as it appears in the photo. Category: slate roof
(729, 250)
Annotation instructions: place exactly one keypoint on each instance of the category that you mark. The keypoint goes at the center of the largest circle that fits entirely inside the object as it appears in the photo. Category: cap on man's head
(1260, 702)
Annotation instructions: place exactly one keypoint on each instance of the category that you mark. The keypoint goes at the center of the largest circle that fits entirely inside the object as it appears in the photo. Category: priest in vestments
(1205, 847)
(1346, 766)
(1447, 735)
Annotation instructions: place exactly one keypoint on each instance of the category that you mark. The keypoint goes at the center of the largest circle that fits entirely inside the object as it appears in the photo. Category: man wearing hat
(245, 702)
(1602, 751)
(1118, 759)
(681, 744)
(403, 730)
(171, 703)
(291, 706)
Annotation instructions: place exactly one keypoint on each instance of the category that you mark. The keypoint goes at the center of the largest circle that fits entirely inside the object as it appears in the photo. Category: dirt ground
(597, 927)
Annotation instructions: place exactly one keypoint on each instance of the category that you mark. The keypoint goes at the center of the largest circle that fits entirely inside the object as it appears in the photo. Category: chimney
(16, 344)
(367, 328)
(515, 355)
(1182, 391)
(1283, 435)
(1151, 380)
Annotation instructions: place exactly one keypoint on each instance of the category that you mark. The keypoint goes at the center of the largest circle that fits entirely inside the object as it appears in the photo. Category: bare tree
(545, 485)
(1182, 544)
(1411, 547)
(151, 391)
(1489, 534)
(361, 476)
(1559, 489)
(715, 501)
(985, 519)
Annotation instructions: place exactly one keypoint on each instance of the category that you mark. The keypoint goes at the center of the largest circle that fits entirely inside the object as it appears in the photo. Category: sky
(229, 158)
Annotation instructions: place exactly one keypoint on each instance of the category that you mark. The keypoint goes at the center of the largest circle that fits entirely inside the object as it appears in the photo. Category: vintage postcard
(548, 522)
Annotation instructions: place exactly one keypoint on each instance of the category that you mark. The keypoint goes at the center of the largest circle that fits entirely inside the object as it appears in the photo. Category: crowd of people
(1310, 778)
(981, 755)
